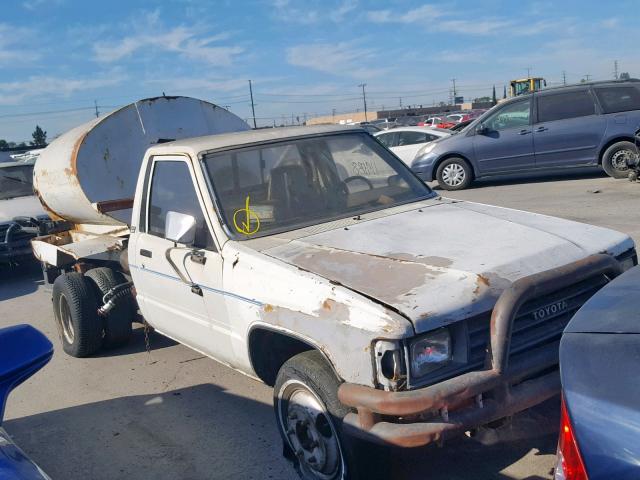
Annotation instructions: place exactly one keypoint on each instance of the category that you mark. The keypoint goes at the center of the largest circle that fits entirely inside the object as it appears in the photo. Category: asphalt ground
(173, 414)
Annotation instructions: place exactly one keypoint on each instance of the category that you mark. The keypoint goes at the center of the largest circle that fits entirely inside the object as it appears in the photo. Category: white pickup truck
(312, 259)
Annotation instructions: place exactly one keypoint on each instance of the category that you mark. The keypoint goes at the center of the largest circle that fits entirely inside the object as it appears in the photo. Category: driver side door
(507, 142)
(193, 312)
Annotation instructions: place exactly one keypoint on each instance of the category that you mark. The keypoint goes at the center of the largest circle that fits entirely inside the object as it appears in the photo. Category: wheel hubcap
(64, 313)
(620, 159)
(453, 174)
(310, 432)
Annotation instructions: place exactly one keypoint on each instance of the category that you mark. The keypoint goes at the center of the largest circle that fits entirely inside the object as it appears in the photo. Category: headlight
(430, 352)
(426, 149)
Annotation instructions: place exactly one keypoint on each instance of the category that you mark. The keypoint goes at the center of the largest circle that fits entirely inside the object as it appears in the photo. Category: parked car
(406, 142)
(459, 126)
(370, 128)
(312, 259)
(553, 129)
(599, 362)
(21, 214)
(23, 351)
(430, 122)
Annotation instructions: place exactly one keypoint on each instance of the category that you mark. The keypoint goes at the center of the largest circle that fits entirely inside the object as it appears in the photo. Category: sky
(59, 58)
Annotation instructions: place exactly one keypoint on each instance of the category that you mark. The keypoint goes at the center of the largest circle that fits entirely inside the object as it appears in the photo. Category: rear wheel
(454, 174)
(75, 308)
(117, 324)
(617, 157)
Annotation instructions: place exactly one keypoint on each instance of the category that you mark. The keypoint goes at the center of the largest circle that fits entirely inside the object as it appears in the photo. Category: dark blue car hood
(615, 309)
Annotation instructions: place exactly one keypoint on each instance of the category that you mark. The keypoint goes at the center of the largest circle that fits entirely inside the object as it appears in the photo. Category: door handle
(146, 253)
(541, 129)
(524, 132)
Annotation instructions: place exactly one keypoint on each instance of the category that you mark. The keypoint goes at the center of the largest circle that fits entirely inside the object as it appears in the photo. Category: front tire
(75, 308)
(454, 174)
(614, 160)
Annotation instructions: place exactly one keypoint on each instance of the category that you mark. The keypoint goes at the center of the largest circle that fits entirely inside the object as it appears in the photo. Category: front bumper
(423, 166)
(506, 386)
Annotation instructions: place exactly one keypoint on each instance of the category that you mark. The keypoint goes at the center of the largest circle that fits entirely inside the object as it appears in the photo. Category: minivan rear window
(618, 99)
(562, 106)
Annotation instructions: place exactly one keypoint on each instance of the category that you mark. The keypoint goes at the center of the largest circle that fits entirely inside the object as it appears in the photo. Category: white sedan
(406, 142)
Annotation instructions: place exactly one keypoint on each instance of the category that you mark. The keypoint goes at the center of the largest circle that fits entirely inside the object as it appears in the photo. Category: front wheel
(309, 417)
(454, 174)
(617, 157)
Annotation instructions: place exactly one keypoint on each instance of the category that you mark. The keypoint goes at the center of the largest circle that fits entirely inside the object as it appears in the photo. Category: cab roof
(197, 145)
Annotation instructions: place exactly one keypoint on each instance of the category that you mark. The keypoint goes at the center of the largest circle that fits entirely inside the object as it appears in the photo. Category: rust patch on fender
(268, 308)
(327, 304)
(481, 282)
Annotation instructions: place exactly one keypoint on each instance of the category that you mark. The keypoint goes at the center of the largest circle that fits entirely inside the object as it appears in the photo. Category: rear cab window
(565, 105)
(617, 99)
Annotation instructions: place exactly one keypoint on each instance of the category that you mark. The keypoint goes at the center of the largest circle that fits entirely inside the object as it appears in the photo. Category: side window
(514, 115)
(387, 139)
(618, 99)
(565, 105)
(172, 189)
(411, 138)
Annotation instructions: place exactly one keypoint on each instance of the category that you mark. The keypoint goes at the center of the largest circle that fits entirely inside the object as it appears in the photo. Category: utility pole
(528, 72)
(587, 77)
(455, 92)
(564, 77)
(95, 102)
(333, 115)
(364, 100)
(615, 69)
(253, 107)
(400, 103)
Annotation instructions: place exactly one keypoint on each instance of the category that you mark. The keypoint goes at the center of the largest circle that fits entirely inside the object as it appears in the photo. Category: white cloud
(153, 37)
(420, 14)
(13, 93)
(336, 58)
(36, 4)
(10, 54)
(304, 13)
(611, 22)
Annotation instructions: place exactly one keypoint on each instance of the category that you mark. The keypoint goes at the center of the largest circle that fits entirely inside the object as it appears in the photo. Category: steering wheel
(358, 177)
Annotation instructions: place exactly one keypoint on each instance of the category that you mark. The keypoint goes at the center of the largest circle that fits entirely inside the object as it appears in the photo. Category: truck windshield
(291, 184)
(16, 181)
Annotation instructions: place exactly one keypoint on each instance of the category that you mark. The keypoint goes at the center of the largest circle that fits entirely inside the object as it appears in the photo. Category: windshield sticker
(246, 220)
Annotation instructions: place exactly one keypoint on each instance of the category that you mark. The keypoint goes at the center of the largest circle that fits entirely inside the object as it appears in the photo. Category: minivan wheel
(454, 174)
(617, 157)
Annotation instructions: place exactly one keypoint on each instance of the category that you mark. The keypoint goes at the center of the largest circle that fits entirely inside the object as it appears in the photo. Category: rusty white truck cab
(313, 259)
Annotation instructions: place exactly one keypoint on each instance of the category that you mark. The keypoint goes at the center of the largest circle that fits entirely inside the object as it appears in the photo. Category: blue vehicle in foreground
(585, 125)
(23, 351)
(600, 373)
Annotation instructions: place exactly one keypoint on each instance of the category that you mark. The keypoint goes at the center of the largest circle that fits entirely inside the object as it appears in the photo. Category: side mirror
(23, 351)
(482, 129)
(180, 228)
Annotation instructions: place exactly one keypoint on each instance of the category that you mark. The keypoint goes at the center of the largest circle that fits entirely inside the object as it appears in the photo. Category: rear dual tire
(76, 299)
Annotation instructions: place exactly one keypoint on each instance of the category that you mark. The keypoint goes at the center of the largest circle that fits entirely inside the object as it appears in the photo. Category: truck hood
(445, 262)
(28, 206)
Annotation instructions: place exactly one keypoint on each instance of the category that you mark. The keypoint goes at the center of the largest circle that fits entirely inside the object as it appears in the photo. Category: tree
(3, 144)
(504, 93)
(625, 76)
(39, 137)
(482, 100)
(493, 97)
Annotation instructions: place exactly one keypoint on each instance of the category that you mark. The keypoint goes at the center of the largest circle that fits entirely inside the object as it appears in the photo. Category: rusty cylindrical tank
(89, 174)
